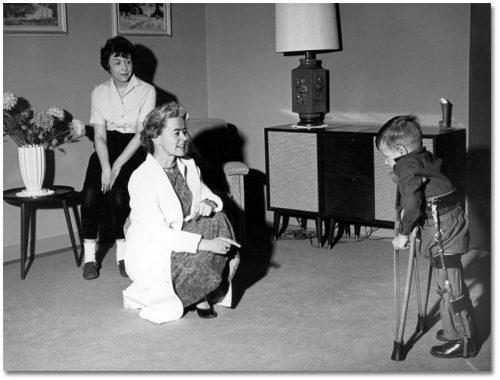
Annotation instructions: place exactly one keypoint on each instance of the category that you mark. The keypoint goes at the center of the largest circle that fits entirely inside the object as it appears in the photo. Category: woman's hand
(220, 245)
(115, 170)
(106, 180)
(204, 208)
(400, 241)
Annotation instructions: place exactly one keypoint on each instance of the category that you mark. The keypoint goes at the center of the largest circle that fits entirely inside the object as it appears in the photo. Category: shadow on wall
(256, 258)
(145, 65)
(479, 197)
(211, 149)
(477, 263)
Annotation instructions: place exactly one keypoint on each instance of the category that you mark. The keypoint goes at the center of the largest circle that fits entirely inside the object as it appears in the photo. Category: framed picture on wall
(34, 18)
(142, 19)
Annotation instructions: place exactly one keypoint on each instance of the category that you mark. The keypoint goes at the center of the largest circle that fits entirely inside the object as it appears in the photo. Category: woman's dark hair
(156, 120)
(400, 130)
(117, 45)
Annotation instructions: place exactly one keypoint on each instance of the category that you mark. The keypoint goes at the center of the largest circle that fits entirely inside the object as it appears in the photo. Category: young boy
(420, 184)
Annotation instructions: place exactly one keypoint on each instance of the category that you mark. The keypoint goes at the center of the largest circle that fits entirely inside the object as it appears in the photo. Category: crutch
(401, 313)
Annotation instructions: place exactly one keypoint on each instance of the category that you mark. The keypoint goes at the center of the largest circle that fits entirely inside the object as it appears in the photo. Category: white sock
(89, 249)
(120, 250)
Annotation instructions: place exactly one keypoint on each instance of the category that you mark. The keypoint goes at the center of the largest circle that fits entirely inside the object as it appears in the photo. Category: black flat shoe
(121, 266)
(455, 349)
(90, 270)
(206, 313)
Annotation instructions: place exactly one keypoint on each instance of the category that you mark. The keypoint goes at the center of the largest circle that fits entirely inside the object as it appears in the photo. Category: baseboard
(43, 246)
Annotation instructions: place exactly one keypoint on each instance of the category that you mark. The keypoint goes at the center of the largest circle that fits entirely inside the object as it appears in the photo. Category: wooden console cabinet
(337, 175)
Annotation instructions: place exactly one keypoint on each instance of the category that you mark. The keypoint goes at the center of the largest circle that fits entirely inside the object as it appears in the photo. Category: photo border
(41, 30)
(138, 33)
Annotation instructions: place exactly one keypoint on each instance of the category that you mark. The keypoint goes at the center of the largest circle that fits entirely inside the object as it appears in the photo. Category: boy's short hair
(117, 45)
(400, 130)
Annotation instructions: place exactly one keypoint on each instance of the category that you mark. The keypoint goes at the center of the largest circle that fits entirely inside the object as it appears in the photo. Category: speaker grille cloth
(385, 188)
(293, 171)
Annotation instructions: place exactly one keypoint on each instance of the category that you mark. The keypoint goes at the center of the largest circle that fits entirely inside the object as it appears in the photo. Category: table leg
(284, 226)
(357, 231)
(319, 231)
(303, 223)
(24, 236)
(70, 230)
(331, 230)
(32, 222)
(276, 225)
(80, 235)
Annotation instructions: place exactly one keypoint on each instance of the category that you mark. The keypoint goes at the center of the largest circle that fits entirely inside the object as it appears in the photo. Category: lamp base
(310, 95)
(311, 120)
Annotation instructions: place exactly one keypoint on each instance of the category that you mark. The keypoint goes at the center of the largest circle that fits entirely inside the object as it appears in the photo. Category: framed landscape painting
(142, 19)
(34, 18)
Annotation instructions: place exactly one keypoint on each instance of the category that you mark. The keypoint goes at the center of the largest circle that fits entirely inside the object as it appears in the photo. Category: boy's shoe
(90, 270)
(121, 266)
(455, 349)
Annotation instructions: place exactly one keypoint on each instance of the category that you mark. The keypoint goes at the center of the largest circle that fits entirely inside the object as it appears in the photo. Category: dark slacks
(93, 198)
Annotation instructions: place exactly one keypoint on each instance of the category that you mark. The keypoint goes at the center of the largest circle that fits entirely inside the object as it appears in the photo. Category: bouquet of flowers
(50, 128)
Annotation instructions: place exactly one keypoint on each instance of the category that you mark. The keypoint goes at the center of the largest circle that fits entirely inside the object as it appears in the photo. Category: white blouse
(122, 114)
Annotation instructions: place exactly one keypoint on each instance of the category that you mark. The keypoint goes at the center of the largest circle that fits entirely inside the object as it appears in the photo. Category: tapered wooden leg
(70, 230)
(32, 223)
(284, 226)
(331, 232)
(276, 225)
(24, 236)
(357, 230)
(347, 229)
(303, 223)
(319, 231)
(79, 231)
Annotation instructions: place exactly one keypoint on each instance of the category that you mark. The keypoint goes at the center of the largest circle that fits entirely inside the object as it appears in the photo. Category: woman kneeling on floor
(179, 244)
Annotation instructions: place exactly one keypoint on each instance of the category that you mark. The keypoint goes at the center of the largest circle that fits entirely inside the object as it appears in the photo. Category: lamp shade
(306, 27)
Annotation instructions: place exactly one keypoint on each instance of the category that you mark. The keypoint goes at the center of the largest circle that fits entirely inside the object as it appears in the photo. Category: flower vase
(32, 166)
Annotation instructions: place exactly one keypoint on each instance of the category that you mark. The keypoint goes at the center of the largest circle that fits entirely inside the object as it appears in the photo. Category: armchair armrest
(235, 168)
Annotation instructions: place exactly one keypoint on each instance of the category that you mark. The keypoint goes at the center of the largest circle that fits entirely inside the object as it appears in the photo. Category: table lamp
(308, 29)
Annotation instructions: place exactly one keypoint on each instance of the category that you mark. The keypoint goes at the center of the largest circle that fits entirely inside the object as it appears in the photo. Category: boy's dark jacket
(410, 170)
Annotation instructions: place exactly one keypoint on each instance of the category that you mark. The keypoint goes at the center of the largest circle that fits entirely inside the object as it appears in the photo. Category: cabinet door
(348, 175)
(292, 170)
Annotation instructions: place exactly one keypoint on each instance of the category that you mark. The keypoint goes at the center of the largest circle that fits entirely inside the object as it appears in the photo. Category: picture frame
(142, 20)
(34, 19)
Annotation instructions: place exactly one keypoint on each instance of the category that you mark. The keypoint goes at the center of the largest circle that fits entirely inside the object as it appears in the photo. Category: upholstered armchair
(217, 150)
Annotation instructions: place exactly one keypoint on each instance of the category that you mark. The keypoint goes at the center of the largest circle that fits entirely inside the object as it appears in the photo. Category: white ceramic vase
(32, 166)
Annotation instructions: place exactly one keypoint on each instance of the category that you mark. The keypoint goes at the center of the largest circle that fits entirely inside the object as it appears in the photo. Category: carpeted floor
(299, 308)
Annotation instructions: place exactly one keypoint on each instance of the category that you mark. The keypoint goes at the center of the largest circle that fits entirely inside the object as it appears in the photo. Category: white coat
(154, 232)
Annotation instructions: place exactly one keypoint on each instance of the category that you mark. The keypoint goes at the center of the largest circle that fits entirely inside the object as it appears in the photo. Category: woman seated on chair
(179, 244)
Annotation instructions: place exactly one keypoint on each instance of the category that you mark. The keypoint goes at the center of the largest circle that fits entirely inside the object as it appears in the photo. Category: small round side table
(29, 205)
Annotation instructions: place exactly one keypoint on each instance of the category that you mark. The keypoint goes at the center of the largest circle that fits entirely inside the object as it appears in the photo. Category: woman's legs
(91, 200)
(196, 276)
(121, 207)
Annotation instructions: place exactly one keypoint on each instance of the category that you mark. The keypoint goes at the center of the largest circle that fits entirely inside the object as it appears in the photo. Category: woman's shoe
(207, 313)
(121, 267)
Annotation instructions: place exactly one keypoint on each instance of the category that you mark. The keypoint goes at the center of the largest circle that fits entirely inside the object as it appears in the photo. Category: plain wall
(221, 62)
(62, 70)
